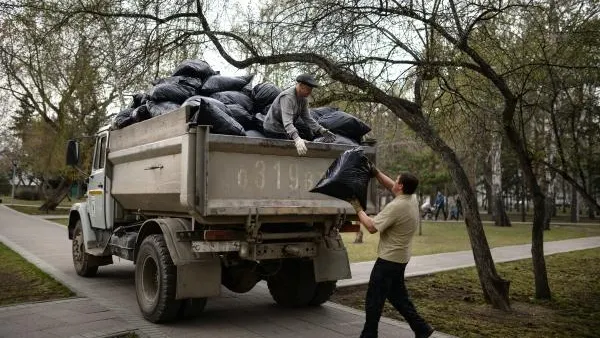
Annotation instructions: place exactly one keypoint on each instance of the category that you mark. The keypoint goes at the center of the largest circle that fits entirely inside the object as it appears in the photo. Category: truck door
(97, 184)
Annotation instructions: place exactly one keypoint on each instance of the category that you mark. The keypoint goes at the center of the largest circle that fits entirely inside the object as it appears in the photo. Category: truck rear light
(222, 235)
(350, 227)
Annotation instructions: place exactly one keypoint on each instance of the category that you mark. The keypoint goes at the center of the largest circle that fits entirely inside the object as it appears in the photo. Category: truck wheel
(294, 284)
(322, 293)
(156, 280)
(83, 262)
(191, 308)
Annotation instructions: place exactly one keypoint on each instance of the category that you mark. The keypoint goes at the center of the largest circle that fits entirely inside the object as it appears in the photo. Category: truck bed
(165, 166)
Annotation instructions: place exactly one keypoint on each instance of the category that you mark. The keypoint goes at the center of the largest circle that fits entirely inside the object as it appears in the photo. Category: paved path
(112, 307)
(423, 265)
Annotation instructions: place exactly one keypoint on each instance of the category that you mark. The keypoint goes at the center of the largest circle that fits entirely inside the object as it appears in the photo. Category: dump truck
(195, 210)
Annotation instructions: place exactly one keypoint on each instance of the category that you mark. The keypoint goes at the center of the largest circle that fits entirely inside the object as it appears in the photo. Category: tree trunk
(359, 237)
(499, 212)
(542, 288)
(591, 206)
(487, 184)
(523, 198)
(54, 199)
(495, 289)
(574, 206)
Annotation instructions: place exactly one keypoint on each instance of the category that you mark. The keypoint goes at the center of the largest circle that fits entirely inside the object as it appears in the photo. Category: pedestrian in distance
(459, 209)
(440, 204)
(396, 224)
(290, 105)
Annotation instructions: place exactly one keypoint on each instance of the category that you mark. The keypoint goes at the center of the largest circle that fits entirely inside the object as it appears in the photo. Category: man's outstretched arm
(363, 218)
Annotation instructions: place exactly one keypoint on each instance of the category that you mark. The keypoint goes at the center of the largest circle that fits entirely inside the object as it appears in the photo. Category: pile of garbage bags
(230, 104)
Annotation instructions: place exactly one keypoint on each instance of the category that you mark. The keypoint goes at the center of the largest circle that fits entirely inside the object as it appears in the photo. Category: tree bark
(54, 198)
(542, 288)
(574, 206)
(499, 212)
(359, 237)
(495, 289)
(487, 184)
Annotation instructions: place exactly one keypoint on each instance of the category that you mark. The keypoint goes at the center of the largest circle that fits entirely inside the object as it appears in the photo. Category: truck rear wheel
(294, 284)
(323, 292)
(83, 262)
(156, 280)
(191, 308)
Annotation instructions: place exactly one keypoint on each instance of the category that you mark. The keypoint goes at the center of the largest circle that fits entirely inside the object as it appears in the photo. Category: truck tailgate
(242, 175)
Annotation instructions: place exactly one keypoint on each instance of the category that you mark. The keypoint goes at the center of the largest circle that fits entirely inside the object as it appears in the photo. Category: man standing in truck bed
(396, 223)
(290, 105)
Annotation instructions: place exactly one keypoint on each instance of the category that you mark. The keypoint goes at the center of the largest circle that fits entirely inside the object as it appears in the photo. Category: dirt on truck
(195, 210)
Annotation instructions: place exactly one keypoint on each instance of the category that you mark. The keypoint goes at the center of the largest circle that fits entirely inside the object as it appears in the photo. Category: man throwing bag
(396, 224)
(290, 105)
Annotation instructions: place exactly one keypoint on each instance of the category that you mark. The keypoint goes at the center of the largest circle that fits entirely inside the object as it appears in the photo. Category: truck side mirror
(72, 153)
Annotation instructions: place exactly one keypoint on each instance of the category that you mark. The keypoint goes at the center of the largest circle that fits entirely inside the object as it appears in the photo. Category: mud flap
(199, 279)
(331, 263)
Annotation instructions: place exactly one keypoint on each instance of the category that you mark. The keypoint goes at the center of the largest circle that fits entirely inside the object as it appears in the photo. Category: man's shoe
(425, 334)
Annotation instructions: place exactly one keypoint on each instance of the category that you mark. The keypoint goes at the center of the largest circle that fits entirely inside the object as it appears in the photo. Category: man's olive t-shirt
(397, 223)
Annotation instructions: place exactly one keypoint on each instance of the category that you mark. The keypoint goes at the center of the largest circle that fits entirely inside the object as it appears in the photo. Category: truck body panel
(197, 210)
(160, 167)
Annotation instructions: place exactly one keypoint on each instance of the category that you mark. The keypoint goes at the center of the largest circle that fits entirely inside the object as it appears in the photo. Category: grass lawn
(441, 237)
(21, 281)
(33, 210)
(61, 221)
(453, 303)
(6, 199)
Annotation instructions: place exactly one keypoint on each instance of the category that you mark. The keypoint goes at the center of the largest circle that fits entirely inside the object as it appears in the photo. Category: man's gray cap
(308, 80)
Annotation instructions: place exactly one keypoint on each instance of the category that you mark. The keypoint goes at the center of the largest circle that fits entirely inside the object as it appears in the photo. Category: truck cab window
(100, 153)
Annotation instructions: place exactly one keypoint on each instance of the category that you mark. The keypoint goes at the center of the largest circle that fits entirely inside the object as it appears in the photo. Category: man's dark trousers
(387, 282)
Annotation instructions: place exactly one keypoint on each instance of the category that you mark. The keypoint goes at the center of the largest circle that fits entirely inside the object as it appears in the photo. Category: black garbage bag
(241, 115)
(258, 122)
(194, 68)
(160, 108)
(255, 133)
(339, 139)
(316, 113)
(247, 90)
(344, 124)
(141, 113)
(220, 83)
(265, 110)
(347, 177)
(263, 94)
(138, 100)
(303, 130)
(123, 118)
(189, 81)
(174, 92)
(232, 97)
(208, 111)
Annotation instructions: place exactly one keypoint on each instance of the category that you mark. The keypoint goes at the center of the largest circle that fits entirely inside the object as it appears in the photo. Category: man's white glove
(300, 146)
(328, 137)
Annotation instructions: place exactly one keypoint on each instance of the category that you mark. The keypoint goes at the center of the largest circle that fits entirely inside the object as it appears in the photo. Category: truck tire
(156, 281)
(191, 308)
(323, 293)
(83, 262)
(294, 284)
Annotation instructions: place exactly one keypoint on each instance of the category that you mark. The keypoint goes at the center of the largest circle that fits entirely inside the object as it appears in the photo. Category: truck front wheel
(156, 280)
(83, 262)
